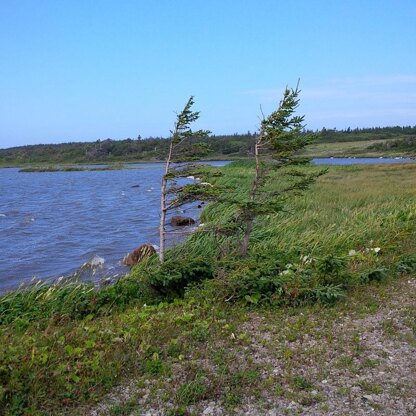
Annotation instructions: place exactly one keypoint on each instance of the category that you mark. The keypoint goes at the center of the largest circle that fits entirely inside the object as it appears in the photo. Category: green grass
(67, 345)
(360, 148)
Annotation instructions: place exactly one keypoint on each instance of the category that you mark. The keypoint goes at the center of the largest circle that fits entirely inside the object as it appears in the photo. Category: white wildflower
(306, 259)
(376, 250)
(352, 253)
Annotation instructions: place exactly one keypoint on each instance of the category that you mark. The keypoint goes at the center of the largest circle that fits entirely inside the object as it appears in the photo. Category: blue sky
(86, 70)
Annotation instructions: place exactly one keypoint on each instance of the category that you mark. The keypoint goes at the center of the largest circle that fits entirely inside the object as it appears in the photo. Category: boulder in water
(140, 253)
(178, 221)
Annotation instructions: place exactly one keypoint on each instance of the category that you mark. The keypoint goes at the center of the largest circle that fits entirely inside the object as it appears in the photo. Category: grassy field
(276, 330)
(354, 149)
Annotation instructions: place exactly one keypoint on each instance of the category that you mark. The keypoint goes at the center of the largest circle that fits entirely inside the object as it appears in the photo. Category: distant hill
(128, 150)
(220, 147)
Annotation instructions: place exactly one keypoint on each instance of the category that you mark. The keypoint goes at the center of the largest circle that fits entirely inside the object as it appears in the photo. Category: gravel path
(362, 366)
(358, 358)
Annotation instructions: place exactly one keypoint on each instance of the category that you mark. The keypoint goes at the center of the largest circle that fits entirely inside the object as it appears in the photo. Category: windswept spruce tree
(183, 147)
(280, 136)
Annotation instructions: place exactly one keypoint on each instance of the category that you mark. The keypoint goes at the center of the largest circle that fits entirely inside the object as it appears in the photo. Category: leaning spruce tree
(182, 148)
(280, 136)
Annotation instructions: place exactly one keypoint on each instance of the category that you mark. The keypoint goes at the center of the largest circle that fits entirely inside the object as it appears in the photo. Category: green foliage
(173, 276)
(301, 383)
(270, 281)
(331, 265)
(69, 300)
(407, 264)
(366, 134)
(192, 192)
(406, 144)
(333, 270)
(154, 366)
(191, 392)
(184, 119)
(282, 130)
(200, 332)
(374, 275)
(180, 149)
(280, 137)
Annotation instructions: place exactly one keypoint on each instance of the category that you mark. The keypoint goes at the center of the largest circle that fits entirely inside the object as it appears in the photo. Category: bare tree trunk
(246, 238)
(163, 207)
(254, 185)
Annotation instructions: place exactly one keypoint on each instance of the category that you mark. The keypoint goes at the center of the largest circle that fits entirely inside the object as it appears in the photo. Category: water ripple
(53, 223)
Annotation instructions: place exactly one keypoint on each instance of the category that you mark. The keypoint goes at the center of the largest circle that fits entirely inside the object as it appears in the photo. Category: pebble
(368, 397)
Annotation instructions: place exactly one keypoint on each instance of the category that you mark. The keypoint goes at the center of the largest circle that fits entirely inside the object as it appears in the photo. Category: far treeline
(217, 146)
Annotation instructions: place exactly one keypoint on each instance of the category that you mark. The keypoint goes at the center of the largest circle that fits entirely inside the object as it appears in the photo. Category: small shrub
(191, 392)
(407, 265)
(154, 367)
(262, 282)
(232, 399)
(374, 275)
(331, 265)
(332, 270)
(173, 276)
(300, 383)
(200, 331)
(328, 293)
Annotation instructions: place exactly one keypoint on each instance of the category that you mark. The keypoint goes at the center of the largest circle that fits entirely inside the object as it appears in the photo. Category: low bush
(261, 280)
(374, 275)
(173, 276)
(407, 264)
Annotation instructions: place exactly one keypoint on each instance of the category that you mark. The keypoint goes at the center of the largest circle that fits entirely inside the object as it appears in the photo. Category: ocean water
(53, 223)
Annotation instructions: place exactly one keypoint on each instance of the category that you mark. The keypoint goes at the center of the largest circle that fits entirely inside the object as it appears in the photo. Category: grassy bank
(338, 248)
(361, 148)
(72, 168)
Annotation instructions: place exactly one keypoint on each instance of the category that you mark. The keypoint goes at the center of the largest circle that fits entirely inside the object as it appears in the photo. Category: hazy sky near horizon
(83, 70)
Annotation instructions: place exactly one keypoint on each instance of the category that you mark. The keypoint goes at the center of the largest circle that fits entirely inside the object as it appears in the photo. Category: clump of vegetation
(407, 144)
(407, 264)
(70, 300)
(174, 276)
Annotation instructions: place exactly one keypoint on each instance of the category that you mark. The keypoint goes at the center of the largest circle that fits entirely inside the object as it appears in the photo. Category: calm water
(53, 223)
